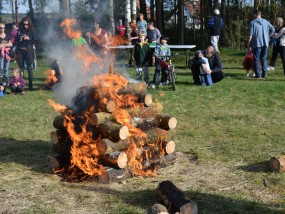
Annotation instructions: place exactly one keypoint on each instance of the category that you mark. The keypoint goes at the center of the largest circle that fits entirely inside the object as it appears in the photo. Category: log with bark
(58, 161)
(114, 175)
(175, 199)
(117, 160)
(162, 162)
(114, 131)
(166, 121)
(277, 163)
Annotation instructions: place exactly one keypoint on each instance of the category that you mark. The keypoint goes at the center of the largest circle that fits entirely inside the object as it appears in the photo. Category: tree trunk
(64, 8)
(111, 15)
(159, 16)
(32, 14)
(143, 8)
(181, 22)
(128, 15)
(151, 10)
(134, 10)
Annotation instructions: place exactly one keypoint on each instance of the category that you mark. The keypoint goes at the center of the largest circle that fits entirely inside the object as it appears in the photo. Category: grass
(232, 129)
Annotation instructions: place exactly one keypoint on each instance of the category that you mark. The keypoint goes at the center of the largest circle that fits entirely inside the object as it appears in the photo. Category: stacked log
(110, 140)
(277, 163)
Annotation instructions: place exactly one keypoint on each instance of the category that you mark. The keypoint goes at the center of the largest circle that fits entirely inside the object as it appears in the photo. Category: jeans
(214, 42)
(4, 66)
(206, 80)
(139, 71)
(260, 55)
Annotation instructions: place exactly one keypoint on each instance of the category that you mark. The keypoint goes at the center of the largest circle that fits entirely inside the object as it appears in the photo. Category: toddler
(248, 62)
(17, 83)
(205, 71)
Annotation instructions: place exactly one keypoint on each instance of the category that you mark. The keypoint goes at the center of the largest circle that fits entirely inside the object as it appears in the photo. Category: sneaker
(152, 85)
(247, 74)
(22, 93)
(270, 68)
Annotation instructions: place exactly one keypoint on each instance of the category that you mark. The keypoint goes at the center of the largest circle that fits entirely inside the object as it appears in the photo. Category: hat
(164, 38)
(216, 12)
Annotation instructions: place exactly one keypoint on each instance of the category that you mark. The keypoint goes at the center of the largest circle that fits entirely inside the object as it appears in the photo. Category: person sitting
(162, 54)
(17, 82)
(214, 63)
(2, 90)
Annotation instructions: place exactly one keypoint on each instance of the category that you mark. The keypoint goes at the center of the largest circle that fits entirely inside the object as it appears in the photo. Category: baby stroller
(170, 72)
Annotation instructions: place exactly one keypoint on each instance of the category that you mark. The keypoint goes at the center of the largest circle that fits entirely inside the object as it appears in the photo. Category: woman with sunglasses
(25, 40)
(5, 45)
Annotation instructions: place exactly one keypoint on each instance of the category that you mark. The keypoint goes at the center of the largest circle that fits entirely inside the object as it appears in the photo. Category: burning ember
(112, 130)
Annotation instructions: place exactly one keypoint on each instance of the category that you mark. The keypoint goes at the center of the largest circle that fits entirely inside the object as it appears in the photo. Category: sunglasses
(26, 24)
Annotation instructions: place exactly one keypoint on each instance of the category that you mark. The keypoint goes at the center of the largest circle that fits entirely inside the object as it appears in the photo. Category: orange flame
(68, 25)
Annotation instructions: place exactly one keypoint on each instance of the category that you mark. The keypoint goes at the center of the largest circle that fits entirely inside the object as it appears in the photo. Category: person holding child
(161, 53)
(205, 71)
(5, 45)
(17, 82)
(141, 55)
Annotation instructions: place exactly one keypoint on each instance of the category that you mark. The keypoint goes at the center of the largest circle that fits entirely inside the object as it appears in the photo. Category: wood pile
(112, 132)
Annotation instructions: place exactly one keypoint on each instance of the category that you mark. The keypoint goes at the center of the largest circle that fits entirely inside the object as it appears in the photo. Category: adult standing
(142, 24)
(276, 41)
(133, 38)
(98, 38)
(258, 40)
(153, 36)
(5, 45)
(216, 23)
(215, 65)
(280, 36)
(25, 40)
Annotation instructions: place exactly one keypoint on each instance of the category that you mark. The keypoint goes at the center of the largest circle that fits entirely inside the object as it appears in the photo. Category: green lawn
(226, 134)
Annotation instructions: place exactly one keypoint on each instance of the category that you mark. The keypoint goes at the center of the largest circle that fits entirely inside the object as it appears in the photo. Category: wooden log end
(148, 100)
(124, 133)
(122, 160)
(189, 208)
(53, 137)
(172, 123)
(102, 146)
(277, 164)
(111, 106)
(169, 147)
(157, 208)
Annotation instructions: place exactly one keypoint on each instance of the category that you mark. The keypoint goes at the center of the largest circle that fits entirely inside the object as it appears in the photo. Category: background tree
(143, 8)
(159, 14)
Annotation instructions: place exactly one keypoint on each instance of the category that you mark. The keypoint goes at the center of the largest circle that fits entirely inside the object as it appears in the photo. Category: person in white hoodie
(280, 36)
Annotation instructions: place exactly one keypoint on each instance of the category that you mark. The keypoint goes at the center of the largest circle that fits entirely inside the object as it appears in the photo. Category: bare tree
(143, 8)
(111, 15)
(181, 22)
(159, 14)
(128, 14)
(134, 9)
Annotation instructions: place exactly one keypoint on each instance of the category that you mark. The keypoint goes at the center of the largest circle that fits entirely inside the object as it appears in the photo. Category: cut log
(166, 121)
(117, 160)
(114, 131)
(105, 146)
(175, 199)
(137, 88)
(57, 162)
(162, 162)
(58, 122)
(114, 175)
(147, 112)
(144, 123)
(157, 209)
(156, 135)
(169, 146)
(145, 98)
(277, 164)
(100, 118)
(61, 142)
(111, 106)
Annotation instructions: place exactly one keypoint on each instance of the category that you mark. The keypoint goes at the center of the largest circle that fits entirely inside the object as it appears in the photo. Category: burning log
(147, 112)
(117, 160)
(277, 164)
(61, 142)
(107, 106)
(58, 161)
(100, 118)
(105, 146)
(58, 122)
(162, 162)
(157, 209)
(114, 131)
(114, 175)
(174, 199)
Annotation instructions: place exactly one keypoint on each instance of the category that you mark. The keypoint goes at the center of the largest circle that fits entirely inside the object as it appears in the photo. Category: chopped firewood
(169, 146)
(162, 162)
(277, 164)
(100, 118)
(114, 131)
(114, 175)
(157, 209)
(146, 112)
(137, 88)
(156, 135)
(166, 121)
(106, 146)
(58, 161)
(116, 160)
(175, 199)
(58, 122)
(146, 99)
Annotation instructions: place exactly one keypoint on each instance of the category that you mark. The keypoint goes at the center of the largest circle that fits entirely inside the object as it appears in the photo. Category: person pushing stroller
(162, 55)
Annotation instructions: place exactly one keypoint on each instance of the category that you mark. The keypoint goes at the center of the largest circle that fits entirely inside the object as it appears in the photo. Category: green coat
(141, 54)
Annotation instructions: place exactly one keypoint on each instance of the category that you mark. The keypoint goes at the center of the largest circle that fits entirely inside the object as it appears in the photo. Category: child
(141, 56)
(248, 62)
(162, 54)
(17, 83)
(205, 71)
(2, 90)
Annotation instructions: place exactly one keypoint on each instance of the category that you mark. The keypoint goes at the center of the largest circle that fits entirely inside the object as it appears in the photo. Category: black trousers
(26, 57)
(282, 54)
(16, 89)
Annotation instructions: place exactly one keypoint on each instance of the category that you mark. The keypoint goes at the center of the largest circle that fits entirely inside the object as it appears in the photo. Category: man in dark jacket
(214, 63)
(215, 25)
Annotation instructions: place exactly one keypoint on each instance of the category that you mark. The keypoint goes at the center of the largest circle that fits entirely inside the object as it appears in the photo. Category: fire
(105, 88)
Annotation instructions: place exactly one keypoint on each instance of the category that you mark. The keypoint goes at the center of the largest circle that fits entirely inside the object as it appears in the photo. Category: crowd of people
(206, 65)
